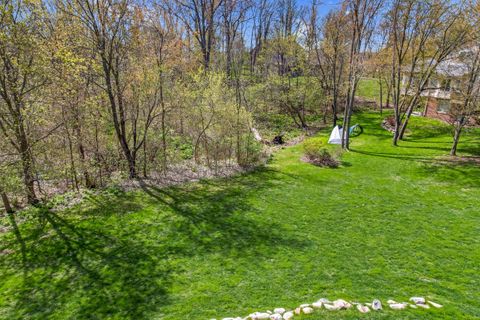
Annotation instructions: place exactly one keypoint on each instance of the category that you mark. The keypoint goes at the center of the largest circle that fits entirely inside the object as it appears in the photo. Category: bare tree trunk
(456, 137)
(81, 150)
(425, 110)
(6, 202)
(164, 141)
(405, 122)
(381, 95)
(145, 158)
(73, 168)
(118, 116)
(97, 154)
(27, 166)
(334, 107)
(389, 92)
(347, 118)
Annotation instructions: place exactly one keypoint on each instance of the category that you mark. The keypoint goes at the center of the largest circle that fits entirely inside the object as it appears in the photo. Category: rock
(279, 310)
(417, 300)
(276, 316)
(413, 306)
(324, 300)
(376, 305)
(304, 305)
(342, 304)
(330, 307)
(434, 304)
(391, 302)
(317, 305)
(260, 316)
(288, 315)
(398, 306)
(307, 310)
(424, 306)
(298, 311)
(363, 309)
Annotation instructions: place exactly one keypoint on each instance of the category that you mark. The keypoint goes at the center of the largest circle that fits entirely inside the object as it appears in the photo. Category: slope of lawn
(390, 223)
(369, 88)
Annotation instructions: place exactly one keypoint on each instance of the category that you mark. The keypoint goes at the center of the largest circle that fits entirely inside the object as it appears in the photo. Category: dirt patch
(459, 160)
(5, 252)
(389, 124)
(183, 173)
(323, 162)
(4, 229)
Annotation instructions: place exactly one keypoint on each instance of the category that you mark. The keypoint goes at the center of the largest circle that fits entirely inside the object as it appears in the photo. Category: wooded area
(95, 88)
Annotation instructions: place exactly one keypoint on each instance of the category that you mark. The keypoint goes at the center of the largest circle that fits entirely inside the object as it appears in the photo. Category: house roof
(452, 68)
(457, 65)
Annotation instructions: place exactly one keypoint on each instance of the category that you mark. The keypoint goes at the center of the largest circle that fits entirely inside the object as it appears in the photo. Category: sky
(324, 6)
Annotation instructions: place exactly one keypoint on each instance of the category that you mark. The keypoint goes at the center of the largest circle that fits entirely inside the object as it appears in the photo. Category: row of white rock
(340, 304)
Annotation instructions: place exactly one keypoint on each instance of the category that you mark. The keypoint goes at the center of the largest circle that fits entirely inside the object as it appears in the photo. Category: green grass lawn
(389, 223)
(369, 88)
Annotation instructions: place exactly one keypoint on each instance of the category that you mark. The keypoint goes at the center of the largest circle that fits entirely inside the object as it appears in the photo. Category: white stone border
(340, 304)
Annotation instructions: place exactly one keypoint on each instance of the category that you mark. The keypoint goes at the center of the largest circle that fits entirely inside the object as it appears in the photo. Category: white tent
(336, 136)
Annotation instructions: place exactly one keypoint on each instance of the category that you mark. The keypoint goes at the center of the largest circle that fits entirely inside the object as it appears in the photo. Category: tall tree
(422, 35)
(466, 95)
(22, 76)
(199, 17)
(362, 15)
(331, 57)
(233, 16)
(261, 28)
(109, 26)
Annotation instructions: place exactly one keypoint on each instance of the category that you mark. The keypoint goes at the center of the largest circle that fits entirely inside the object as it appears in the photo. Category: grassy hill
(389, 223)
(369, 88)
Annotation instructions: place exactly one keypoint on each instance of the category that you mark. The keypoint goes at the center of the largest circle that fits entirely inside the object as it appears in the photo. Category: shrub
(317, 154)
(250, 152)
(312, 146)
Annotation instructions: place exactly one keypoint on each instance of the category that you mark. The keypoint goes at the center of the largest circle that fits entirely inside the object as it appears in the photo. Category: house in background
(444, 88)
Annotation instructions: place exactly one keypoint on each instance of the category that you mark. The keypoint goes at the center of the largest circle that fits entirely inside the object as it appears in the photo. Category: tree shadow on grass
(465, 174)
(410, 157)
(81, 271)
(217, 216)
(110, 260)
(445, 170)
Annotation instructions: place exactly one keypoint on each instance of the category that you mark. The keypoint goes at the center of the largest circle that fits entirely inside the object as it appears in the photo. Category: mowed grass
(369, 88)
(390, 223)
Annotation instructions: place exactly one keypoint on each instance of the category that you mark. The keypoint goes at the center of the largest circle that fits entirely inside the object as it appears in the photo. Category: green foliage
(282, 102)
(316, 153)
(250, 151)
(313, 146)
(216, 119)
(9, 177)
(183, 146)
(60, 200)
